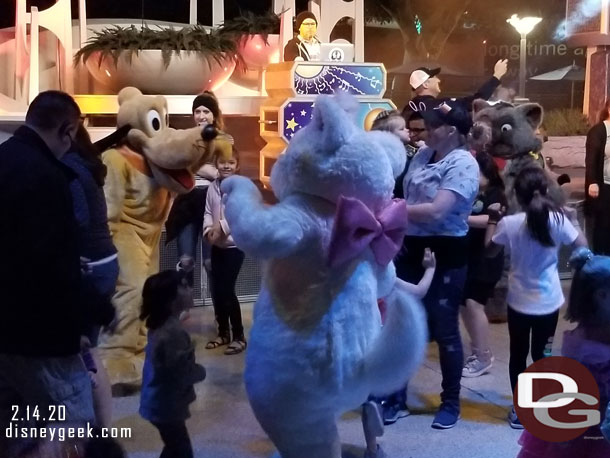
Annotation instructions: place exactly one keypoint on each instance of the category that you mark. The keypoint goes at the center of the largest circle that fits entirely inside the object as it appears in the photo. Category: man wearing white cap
(426, 85)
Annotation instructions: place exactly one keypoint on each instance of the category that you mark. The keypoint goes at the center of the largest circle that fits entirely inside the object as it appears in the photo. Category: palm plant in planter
(257, 39)
(163, 60)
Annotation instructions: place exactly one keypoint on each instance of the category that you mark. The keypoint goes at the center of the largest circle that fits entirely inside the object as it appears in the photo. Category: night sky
(165, 10)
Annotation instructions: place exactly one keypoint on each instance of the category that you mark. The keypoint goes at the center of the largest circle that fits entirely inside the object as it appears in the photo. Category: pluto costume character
(144, 172)
(317, 347)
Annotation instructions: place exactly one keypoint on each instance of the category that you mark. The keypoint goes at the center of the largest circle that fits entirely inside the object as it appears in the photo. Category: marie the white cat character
(317, 347)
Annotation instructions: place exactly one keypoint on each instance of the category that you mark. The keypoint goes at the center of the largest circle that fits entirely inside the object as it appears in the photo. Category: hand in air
(501, 68)
(429, 261)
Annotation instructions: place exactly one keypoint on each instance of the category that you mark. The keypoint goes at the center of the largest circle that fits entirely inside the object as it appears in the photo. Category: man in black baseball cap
(426, 85)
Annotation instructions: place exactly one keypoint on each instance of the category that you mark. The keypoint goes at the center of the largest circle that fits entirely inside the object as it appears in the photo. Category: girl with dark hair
(589, 344)
(597, 182)
(170, 370)
(483, 272)
(99, 253)
(532, 238)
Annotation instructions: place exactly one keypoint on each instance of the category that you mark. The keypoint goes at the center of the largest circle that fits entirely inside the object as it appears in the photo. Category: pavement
(222, 424)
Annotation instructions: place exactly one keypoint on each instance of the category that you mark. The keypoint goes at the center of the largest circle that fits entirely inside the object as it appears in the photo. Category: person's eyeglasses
(308, 24)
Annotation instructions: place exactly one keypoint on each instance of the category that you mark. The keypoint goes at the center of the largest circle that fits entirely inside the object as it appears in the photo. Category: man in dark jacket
(426, 85)
(40, 272)
(305, 46)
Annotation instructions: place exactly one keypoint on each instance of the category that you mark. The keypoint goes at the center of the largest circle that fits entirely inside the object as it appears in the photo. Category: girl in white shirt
(532, 237)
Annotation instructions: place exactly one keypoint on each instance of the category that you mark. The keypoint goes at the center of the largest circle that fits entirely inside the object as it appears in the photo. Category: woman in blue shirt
(439, 188)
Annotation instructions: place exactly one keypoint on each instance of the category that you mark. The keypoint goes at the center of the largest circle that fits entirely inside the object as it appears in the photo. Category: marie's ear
(532, 112)
(479, 104)
(332, 123)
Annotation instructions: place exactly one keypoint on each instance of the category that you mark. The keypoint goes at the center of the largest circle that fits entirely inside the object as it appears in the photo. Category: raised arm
(421, 289)
(487, 90)
(261, 230)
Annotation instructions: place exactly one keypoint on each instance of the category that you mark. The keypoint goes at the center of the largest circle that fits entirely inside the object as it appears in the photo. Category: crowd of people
(459, 234)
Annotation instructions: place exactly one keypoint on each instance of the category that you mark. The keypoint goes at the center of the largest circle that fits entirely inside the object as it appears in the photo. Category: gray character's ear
(532, 112)
(479, 104)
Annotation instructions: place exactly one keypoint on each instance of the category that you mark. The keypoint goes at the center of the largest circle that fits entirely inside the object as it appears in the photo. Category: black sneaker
(393, 412)
(446, 417)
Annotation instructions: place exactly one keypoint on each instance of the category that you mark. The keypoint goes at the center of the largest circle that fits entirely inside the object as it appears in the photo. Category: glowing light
(418, 24)
(523, 25)
(484, 42)
(257, 46)
(585, 10)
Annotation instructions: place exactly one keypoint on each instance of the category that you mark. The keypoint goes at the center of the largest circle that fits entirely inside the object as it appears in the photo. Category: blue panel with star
(363, 80)
(297, 113)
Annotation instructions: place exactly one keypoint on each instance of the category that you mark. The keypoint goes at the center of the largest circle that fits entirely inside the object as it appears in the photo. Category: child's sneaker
(446, 417)
(393, 412)
(477, 365)
(378, 454)
(513, 420)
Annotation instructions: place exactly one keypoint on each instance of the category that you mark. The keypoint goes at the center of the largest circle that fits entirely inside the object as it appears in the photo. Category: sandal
(217, 342)
(236, 347)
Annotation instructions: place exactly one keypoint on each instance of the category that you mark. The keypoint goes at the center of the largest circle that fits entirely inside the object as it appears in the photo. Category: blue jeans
(442, 304)
(103, 277)
(186, 242)
(48, 384)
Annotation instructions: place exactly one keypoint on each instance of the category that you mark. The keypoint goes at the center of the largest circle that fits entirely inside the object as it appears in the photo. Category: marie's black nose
(209, 132)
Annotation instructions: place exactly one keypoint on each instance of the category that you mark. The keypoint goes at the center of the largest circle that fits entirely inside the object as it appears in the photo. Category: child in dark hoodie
(170, 370)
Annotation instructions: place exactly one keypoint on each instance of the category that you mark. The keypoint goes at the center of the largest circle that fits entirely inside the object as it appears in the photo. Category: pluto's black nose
(209, 132)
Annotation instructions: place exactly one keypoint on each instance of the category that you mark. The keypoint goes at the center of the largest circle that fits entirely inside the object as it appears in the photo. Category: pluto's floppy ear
(113, 139)
(532, 113)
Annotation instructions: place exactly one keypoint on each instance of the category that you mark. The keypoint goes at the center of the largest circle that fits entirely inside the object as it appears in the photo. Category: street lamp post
(523, 26)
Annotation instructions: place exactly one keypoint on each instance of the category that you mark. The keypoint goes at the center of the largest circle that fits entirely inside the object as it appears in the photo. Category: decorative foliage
(249, 23)
(117, 40)
(218, 44)
(565, 122)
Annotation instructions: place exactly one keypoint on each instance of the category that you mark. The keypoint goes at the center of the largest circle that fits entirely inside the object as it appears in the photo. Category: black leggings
(226, 264)
(542, 329)
(176, 441)
(601, 226)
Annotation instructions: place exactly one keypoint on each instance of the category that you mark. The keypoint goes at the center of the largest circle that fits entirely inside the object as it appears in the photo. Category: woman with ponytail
(532, 237)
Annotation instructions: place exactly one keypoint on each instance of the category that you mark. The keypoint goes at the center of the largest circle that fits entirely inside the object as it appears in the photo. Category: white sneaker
(477, 365)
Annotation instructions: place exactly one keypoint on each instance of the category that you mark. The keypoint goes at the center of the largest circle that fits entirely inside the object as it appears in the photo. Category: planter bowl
(187, 73)
(257, 55)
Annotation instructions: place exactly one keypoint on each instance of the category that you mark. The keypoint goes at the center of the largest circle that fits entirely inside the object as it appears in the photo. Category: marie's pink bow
(357, 227)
